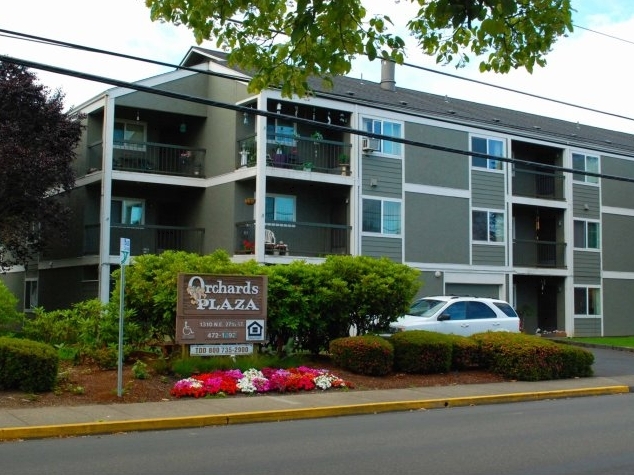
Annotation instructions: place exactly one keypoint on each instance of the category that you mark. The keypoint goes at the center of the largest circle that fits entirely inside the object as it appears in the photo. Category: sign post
(124, 259)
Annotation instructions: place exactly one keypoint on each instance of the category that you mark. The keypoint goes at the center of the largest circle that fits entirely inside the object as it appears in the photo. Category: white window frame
(30, 294)
(276, 221)
(488, 240)
(587, 179)
(128, 203)
(587, 289)
(382, 224)
(491, 163)
(586, 234)
(126, 145)
(378, 126)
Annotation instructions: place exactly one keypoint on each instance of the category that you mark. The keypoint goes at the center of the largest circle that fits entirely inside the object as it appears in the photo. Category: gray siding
(387, 173)
(376, 246)
(426, 166)
(488, 255)
(436, 229)
(587, 268)
(587, 327)
(616, 237)
(618, 301)
(613, 192)
(585, 195)
(487, 189)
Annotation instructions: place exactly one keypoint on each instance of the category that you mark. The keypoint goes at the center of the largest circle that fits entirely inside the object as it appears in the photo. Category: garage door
(474, 290)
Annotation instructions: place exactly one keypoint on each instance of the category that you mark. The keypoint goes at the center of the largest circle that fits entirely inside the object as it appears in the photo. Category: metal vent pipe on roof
(387, 75)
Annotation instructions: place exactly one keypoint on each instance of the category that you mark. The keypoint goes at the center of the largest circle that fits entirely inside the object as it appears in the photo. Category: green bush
(531, 358)
(465, 352)
(10, 318)
(422, 352)
(27, 365)
(368, 354)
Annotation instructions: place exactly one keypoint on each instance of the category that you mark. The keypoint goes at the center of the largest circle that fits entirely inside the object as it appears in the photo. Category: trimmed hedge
(421, 351)
(367, 354)
(532, 358)
(27, 365)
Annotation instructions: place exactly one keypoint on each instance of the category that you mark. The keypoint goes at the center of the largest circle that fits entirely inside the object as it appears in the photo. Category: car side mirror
(443, 317)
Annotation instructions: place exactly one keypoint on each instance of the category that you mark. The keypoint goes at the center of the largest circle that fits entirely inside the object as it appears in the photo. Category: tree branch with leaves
(284, 42)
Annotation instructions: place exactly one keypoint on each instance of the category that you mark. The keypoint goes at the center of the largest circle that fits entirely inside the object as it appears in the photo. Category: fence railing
(295, 238)
(537, 182)
(298, 153)
(146, 239)
(149, 157)
(539, 254)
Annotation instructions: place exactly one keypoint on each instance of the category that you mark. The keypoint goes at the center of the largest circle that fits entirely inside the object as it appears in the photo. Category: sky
(587, 68)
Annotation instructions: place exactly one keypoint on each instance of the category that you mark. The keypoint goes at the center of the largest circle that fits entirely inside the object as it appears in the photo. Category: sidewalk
(187, 412)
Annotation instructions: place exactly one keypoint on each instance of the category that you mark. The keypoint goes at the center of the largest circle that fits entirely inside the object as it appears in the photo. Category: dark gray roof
(457, 111)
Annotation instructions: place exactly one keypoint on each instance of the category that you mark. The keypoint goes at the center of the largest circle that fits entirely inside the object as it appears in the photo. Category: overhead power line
(53, 42)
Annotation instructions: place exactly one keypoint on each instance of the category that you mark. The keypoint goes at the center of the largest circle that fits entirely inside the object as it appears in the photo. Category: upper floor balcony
(295, 152)
(533, 181)
(146, 239)
(149, 157)
(543, 254)
(295, 238)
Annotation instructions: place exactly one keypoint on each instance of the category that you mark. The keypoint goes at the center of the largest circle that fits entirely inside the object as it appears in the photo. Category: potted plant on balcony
(248, 246)
(344, 163)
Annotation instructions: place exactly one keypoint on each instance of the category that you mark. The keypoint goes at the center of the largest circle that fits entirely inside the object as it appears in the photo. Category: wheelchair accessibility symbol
(255, 330)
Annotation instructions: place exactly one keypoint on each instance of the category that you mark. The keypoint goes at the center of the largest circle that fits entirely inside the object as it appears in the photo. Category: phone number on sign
(220, 350)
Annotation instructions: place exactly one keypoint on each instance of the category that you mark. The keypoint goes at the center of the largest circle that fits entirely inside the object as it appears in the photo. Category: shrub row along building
(482, 200)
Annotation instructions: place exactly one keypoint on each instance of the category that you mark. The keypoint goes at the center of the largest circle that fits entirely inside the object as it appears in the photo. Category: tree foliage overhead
(37, 142)
(286, 41)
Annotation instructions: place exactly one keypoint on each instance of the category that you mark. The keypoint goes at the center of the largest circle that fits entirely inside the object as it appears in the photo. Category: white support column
(106, 198)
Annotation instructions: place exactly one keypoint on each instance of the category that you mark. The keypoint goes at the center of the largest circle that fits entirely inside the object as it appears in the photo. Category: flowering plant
(257, 381)
(248, 245)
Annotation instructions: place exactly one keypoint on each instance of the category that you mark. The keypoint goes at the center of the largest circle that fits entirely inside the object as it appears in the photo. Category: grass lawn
(621, 341)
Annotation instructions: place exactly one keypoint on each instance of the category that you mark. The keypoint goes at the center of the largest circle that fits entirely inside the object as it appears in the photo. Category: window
(493, 147)
(30, 295)
(480, 310)
(381, 216)
(129, 135)
(585, 163)
(127, 211)
(393, 129)
(281, 132)
(487, 226)
(280, 208)
(456, 311)
(587, 301)
(586, 234)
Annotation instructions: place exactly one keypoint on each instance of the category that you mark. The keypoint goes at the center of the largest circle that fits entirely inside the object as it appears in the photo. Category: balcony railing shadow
(149, 157)
(146, 239)
(298, 153)
(537, 182)
(295, 239)
(539, 254)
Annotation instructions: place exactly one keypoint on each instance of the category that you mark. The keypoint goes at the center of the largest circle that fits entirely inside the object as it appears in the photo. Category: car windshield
(437, 304)
(421, 306)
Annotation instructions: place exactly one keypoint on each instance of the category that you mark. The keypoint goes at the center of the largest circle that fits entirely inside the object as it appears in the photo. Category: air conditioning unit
(369, 145)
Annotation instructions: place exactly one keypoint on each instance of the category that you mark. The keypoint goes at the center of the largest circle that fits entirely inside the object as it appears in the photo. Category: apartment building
(482, 200)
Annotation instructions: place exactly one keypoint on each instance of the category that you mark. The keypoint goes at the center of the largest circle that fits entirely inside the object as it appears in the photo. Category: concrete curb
(95, 428)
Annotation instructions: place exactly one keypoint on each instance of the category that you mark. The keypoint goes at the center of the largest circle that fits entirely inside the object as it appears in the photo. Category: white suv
(458, 315)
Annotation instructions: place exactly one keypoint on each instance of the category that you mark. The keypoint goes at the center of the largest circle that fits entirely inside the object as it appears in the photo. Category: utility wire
(49, 41)
(274, 115)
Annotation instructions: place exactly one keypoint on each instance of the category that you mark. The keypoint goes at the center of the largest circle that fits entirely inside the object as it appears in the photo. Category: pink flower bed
(257, 381)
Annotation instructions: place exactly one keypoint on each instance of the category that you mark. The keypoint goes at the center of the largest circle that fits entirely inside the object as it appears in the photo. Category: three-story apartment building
(482, 200)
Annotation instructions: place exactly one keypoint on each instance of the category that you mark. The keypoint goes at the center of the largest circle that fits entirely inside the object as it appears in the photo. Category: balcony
(147, 239)
(537, 182)
(543, 254)
(149, 157)
(296, 239)
(298, 153)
